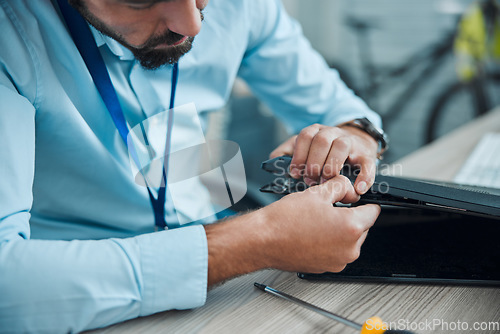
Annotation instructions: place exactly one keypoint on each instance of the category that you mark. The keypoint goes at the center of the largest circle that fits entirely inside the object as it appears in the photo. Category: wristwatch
(374, 131)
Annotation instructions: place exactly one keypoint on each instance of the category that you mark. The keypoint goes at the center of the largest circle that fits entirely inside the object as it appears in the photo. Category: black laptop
(428, 232)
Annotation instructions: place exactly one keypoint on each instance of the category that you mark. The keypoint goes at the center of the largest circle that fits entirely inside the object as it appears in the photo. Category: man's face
(158, 32)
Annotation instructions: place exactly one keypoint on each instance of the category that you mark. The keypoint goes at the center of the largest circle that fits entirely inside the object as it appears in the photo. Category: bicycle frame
(429, 60)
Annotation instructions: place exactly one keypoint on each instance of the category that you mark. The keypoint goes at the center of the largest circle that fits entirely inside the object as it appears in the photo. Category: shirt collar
(116, 48)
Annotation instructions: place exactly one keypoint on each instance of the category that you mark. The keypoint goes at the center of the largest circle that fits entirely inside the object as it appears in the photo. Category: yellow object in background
(470, 43)
(495, 40)
(478, 39)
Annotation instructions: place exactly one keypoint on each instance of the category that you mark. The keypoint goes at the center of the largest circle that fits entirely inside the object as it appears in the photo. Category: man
(77, 243)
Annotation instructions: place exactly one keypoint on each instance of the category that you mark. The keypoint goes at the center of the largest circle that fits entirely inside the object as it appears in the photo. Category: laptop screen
(426, 246)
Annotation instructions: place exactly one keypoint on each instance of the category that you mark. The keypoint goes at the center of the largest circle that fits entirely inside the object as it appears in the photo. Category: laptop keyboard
(482, 167)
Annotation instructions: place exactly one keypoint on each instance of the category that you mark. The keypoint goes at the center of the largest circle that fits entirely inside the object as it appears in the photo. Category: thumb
(366, 215)
(337, 189)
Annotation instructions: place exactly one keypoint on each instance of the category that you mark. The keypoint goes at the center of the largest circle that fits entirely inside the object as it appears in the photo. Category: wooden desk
(237, 307)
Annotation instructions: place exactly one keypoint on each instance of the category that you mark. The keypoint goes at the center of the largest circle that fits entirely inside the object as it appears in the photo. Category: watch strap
(376, 133)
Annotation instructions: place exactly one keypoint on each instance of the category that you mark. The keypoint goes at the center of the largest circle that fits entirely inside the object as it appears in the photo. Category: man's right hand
(301, 232)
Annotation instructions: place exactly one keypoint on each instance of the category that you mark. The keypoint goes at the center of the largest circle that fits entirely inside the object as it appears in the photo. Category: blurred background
(426, 66)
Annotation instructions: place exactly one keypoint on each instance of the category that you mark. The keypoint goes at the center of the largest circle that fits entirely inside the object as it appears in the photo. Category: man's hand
(300, 232)
(319, 153)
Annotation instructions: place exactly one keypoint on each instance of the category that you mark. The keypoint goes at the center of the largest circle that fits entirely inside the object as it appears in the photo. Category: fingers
(355, 230)
(339, 152)
(362, 219)
(361, 240)
(319, 153)
(319, 150)
(365, 215)
(354, 253)
(327, 154)
(338, 189)
(366, 175)
(302, 147)
(286, 148)
(329, 237)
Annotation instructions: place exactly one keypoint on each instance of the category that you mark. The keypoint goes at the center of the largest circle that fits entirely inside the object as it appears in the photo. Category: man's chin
(162, 55)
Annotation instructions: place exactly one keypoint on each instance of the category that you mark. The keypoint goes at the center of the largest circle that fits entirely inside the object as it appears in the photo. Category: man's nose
(184, 18)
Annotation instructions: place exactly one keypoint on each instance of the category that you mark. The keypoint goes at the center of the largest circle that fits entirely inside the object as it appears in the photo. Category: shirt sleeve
(69, 286)
(285, 72)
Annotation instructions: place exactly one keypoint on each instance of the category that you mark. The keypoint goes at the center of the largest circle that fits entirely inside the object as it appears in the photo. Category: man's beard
(149, 57)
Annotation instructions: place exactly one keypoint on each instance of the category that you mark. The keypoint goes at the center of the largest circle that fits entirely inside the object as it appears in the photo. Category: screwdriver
(374, 325)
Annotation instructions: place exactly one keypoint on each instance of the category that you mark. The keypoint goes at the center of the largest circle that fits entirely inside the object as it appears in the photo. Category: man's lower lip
(180, 42)
(166, 46)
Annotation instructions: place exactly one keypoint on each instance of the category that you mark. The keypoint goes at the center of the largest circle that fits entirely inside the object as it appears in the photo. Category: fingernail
(362, 187)
(294, 172)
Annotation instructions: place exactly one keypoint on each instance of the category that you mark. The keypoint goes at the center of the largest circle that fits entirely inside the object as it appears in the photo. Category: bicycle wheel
(460, 103)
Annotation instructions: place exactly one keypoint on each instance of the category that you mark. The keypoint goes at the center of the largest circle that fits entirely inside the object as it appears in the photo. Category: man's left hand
(320, 152)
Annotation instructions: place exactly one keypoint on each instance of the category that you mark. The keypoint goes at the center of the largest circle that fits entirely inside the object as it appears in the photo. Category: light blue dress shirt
(77, 242)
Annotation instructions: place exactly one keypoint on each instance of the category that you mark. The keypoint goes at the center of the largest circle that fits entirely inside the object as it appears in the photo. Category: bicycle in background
(477, 51)
(474, 44)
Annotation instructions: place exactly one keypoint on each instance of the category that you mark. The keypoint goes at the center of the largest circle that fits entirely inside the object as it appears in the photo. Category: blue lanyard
(84, 41)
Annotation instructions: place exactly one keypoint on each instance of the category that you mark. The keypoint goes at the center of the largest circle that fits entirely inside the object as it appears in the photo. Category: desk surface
(237, 307)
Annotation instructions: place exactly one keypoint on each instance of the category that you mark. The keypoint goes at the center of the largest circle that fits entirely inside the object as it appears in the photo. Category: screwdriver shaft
(311, 307)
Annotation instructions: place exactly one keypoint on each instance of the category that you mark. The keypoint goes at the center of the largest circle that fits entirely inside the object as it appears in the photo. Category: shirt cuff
(174, 267)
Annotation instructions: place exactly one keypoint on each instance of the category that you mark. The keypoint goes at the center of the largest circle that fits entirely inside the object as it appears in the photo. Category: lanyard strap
(84, 41)
(158, 204)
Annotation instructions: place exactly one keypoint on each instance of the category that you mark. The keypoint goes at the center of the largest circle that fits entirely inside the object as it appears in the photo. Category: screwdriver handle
(375, 325)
